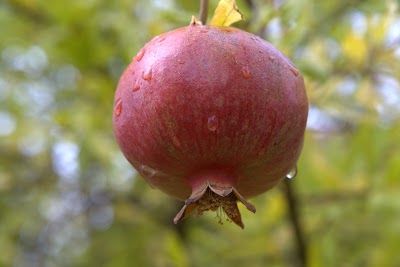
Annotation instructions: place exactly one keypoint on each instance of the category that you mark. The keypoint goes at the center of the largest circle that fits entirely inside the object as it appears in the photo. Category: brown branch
(251, 4)
(29, 12)
(294, 215)
(254, 14)
(203, 11)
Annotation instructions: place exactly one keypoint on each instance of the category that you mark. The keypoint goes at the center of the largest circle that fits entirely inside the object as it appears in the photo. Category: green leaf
(226, 13)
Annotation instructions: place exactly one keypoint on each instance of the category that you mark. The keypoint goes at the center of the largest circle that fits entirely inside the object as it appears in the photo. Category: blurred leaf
(355, 49)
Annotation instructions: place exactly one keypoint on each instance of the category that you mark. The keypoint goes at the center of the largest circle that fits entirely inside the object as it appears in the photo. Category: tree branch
(294, 216)
(203, 11)
(251, 4)
(29, 12)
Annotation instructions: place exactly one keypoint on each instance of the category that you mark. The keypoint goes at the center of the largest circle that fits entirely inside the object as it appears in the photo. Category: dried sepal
(195, 22)
(217, 198)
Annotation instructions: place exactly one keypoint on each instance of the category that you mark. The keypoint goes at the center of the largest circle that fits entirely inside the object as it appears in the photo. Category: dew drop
(246, 72)
(180, 61)
(136, 87)
(140, 54)
(176, 141)
(292, 173)
(271, 58)
(161, 39)
(147, 75)
(212, 123)
(203, 30)
(294, 70)
(147, 170)
(118, 108)
(261, 153)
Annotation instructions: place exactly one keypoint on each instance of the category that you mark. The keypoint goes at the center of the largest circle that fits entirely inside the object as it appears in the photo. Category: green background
(69, 198)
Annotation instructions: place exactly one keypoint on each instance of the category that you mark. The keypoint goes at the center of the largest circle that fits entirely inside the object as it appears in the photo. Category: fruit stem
(203, 11)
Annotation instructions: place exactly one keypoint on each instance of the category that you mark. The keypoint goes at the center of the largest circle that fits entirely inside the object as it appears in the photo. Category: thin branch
(29, 12)
(251, 4)
(203, 11)
(294, 214)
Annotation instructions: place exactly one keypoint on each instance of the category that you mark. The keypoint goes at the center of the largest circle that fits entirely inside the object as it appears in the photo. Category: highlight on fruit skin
(211, 115)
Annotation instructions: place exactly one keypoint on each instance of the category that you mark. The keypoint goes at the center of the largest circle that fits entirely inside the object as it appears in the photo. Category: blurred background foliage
(69, 198)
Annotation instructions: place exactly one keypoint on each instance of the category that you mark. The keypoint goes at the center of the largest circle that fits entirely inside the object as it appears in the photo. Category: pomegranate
(211, 115)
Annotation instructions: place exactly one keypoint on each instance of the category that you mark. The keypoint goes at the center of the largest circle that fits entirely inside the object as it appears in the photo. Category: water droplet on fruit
(176, 141)
(147, 170)
(292, 173)
(212, 123)
(118, 108)
(203, 30)
(180, 61)
(246, 72)
(294, 70)
(271, 58)
(147, 74)
(136, 87)
(161, 39)
(140, 54)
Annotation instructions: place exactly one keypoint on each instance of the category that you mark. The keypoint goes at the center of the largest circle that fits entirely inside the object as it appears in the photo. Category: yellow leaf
(355, 48)
(227, 13)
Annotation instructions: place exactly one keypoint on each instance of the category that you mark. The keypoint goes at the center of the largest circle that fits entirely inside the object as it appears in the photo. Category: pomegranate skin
(210, 104)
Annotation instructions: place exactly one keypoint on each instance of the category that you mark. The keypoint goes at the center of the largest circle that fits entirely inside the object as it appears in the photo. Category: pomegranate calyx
(195, 22)
(221, 199)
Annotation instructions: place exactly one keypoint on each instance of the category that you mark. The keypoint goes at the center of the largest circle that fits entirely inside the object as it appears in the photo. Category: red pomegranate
(211, 115)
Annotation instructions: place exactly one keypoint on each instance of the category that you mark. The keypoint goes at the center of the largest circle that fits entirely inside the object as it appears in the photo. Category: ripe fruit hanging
(211, 115)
